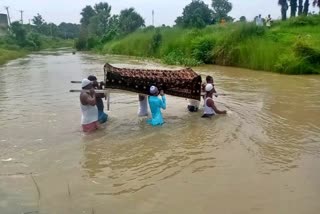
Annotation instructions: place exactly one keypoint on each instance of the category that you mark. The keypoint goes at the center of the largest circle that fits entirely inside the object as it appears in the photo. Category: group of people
(260, 22)
(92, 107)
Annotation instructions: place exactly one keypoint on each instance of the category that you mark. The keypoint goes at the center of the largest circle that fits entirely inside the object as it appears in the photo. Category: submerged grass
(234, 44)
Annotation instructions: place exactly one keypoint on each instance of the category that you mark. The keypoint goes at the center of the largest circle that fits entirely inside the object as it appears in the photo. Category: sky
(166, 11)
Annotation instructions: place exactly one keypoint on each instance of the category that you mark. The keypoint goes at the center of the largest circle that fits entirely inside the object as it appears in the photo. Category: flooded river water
(264, 157)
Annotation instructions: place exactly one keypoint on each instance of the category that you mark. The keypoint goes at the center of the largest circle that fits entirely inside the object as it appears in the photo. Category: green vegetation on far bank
(290, 47)
(10, 50)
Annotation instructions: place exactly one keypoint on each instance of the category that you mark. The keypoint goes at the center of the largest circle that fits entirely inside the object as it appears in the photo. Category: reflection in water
(190, 165)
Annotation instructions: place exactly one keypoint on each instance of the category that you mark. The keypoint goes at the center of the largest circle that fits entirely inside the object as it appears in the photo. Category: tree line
(30, 36)
(99, 26)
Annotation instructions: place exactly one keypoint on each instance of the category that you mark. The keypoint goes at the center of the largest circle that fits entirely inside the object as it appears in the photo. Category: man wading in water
(209, 107)
(89, 110)
(102, 117)
(156, 104)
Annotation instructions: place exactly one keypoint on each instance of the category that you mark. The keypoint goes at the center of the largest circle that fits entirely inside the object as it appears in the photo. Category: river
(263, 157)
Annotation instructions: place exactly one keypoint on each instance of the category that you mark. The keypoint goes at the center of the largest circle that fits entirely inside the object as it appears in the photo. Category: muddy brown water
(264, 157)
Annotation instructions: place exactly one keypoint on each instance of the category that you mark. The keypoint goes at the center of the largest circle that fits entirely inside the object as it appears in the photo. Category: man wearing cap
(210, 108)
(89, 110)
(156, 104)
(102, 117)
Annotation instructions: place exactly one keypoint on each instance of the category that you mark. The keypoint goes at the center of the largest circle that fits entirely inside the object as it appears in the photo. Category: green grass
(9, 50)
(235, 44)
(7, 55)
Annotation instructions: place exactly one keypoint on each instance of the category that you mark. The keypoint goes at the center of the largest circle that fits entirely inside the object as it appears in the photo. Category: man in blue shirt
(102, 117)
(156, 104)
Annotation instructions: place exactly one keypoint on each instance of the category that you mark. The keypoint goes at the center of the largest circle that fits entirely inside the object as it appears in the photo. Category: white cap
(209, 87)
(154, 90)
(85, 82)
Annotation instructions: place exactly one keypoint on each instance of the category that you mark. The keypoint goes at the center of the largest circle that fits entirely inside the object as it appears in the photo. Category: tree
(293, 6)
(103, 11)
(129, 21)
(68, 30)
(284, 8)
(300, 7)
(19, 33)
(221, 8)
(38, 21)
(196, 14)
(306, 7)
(243, 19)
(86, 14)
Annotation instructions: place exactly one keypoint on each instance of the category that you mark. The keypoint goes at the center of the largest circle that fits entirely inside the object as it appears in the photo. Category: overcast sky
(166, 11)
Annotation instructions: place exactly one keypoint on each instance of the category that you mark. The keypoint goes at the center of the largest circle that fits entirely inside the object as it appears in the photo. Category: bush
(290, 64)
(202, 49)
(155, 42)
(302, 49)
(177, 57)
(81, 44)
(92, 43)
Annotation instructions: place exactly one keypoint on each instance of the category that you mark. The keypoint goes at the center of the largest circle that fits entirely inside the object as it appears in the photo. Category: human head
(269, 15)
(86, 84)
(209, 79)
(93, 79)
(259, 15)
(154, 91)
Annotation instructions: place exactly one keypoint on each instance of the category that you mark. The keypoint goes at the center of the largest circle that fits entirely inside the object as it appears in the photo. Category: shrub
(155, 42)
(290, 64)
(302, 49)
(202, 49)
(177, 57)
(81, 44)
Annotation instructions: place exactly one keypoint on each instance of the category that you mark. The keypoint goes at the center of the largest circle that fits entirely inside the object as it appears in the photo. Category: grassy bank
(7, 55)
(9, 50)
(291, 47)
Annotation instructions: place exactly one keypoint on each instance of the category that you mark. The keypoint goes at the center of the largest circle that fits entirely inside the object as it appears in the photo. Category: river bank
(290, 47)
(11, 52)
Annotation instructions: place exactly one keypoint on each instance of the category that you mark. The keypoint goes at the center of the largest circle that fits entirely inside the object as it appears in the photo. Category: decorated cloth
(181, 83)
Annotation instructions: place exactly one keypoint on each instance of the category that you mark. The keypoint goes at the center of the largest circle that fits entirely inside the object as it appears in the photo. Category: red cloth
(90, 127)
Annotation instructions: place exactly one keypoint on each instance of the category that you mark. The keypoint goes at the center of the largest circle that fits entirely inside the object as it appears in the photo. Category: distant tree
(19, 33)
(103, 11)
(243, 19)
(86, 14)
(306, 7)
(221, 8)
(284, 8)
(293, 6)
(300, 7)
(196, 14)
(38, 21)
(129, 21)
(68, 30)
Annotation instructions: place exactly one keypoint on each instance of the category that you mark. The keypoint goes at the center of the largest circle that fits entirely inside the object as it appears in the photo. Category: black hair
(92, 78)
(208, 78)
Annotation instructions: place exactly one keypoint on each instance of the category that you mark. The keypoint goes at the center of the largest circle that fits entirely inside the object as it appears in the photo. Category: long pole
(152, 17)
(21, 11)
(7, 8)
